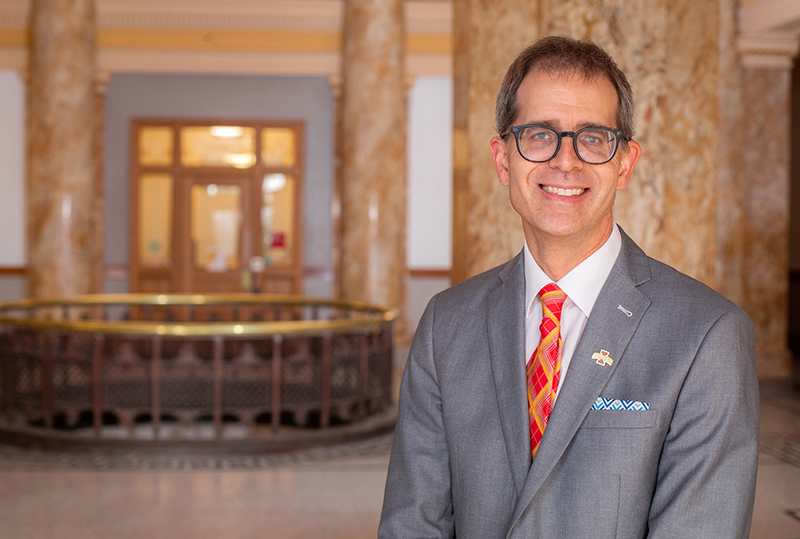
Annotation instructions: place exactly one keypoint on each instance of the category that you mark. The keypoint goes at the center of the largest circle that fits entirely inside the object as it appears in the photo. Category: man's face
(583, 211)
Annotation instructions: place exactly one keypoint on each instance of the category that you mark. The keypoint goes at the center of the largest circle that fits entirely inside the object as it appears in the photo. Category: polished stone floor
(332, 494)
(777, 509)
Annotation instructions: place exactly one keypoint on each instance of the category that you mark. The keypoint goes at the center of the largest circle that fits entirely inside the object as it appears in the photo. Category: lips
(563, 192)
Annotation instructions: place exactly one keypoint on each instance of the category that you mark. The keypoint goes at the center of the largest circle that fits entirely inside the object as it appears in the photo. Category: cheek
(520, 193)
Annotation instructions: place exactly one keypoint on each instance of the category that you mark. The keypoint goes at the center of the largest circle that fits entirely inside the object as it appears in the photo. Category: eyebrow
(552, 124)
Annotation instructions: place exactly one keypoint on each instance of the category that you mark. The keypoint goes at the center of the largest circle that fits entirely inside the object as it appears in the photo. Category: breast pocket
(620, 419)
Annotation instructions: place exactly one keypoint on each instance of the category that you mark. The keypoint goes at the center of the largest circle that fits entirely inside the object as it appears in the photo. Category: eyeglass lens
(594, 145)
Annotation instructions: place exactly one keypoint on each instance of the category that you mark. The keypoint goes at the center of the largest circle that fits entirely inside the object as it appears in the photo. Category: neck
(557, 256)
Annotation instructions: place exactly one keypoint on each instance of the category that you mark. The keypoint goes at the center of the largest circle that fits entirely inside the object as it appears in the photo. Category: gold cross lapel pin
(603, 358)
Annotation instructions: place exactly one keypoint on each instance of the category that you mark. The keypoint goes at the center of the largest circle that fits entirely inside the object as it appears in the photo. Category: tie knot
(552, 299)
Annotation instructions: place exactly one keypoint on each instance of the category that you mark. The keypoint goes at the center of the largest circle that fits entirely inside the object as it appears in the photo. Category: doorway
(215, 206)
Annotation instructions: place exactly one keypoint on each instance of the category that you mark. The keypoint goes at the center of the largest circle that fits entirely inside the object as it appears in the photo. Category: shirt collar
(583, 283)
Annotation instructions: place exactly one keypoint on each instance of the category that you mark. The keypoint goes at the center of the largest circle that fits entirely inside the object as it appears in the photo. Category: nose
(566, 159)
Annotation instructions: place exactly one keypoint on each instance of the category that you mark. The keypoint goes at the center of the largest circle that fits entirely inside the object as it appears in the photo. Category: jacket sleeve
(418, 502)
(707, 472)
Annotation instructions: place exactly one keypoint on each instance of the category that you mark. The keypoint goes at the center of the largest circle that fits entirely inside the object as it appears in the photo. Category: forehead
(568, 100)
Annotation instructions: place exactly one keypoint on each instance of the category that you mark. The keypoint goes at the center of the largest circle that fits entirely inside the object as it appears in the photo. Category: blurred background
(339, 149)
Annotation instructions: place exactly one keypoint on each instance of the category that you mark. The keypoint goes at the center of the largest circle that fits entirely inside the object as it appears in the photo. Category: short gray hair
(564, 55)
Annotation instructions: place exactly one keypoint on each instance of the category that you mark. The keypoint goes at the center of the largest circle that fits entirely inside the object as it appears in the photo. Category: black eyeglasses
(593, 145)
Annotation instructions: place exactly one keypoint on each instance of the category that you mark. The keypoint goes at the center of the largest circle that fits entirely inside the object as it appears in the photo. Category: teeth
(563, 192)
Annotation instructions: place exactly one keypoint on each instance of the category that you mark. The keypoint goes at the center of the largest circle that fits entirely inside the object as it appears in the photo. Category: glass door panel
(277, 219)
(218, 146)
(216, 222)
(155, 220)
(155, 145)
(278, 147)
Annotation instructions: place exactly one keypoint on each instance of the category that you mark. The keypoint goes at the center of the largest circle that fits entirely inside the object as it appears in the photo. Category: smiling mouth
(562, 192)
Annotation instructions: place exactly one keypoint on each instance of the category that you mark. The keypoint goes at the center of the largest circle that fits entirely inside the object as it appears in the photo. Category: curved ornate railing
(276, 372)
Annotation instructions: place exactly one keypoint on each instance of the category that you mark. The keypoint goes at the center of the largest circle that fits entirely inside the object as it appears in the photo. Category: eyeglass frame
(619, 133)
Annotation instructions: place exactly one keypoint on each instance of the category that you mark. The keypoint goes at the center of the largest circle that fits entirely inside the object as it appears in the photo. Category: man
(632, 410)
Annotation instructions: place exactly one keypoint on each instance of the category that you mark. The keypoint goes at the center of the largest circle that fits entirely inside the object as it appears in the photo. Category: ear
(628, 159)
(500, 157)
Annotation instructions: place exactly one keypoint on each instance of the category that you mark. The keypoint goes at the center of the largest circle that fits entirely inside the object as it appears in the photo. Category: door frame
(286, 279)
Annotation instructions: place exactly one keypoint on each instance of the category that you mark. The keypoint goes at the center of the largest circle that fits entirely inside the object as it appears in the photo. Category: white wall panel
(12, 169)
(430, 173)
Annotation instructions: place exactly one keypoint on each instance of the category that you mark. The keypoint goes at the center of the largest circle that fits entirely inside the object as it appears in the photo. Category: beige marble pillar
(335, 83)
(766, 93)
(731, 183)
(373, 159)
(61, 187)
(669, 51)
(486, 230)
(101, 81)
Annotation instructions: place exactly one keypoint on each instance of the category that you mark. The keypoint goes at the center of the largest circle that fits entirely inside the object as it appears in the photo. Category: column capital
(101, 79)
(336, 82)
(768, 51)
(409, 81)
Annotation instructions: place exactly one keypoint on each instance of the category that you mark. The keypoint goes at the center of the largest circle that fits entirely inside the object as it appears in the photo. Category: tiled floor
(333, 497)
(777, 510)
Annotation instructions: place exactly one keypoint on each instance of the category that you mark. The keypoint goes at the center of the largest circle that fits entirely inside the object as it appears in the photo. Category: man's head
(557, 55)
(564, 116)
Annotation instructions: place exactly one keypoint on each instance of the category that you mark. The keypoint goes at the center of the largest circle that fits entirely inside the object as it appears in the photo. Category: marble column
(335, 83)
(731, 183)
(373, 158)
(486, 230)
(101, 81)
(668, 49)
(766, 94)
(61, 187)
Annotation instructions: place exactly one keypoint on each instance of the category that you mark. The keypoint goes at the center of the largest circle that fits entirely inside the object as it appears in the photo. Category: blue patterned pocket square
(616, 404)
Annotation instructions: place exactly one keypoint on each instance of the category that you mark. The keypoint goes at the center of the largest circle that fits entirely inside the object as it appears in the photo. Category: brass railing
(133, 365)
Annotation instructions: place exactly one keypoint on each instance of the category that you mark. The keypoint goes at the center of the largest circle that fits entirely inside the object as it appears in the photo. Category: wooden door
(216, 206)
(217, 225)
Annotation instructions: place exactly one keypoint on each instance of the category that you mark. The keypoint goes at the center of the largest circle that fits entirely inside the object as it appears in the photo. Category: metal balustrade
(248, 371)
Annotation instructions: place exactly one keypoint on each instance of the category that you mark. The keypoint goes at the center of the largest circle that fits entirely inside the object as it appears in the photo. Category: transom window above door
(216, 206)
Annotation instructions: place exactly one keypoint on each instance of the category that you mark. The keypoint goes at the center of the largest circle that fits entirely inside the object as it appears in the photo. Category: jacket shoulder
(472, 292)
(669, 286)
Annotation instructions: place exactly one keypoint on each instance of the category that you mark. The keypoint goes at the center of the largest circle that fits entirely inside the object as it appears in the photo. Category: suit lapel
(608, 328)
(506, 330)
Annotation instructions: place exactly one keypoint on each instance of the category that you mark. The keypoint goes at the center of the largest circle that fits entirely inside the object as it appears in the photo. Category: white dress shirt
(582, 286)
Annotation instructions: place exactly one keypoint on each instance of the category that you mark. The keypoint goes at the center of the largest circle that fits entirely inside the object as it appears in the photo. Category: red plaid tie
(544, 366)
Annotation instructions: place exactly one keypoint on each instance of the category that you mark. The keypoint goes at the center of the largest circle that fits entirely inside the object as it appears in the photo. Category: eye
(594, 138)
(537, 135)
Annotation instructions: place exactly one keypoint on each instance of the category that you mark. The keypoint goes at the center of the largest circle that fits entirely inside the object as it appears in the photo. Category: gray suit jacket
(460, 464)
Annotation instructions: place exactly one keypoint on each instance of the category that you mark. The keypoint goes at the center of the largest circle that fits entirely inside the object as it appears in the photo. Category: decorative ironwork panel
(73, 347)
(127, 386)
(380, 366)
(205, 349)
(345, 366)
(29, 377)
(170, 348)
(72, 384)
(67, 367)
(302, 375)
(247, 387)
(186, 387)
